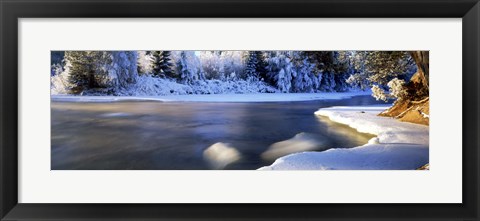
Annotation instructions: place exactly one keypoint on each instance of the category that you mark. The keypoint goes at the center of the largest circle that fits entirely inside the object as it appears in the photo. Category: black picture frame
(12, 10)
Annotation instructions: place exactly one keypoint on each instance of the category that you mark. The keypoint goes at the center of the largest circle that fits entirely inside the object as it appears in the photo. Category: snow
(398, 145)
(219, 155)
(300, 142)
(255, 97)
(224, 65)
(130, 73)
(153, 86)
(144, 62)
(59, 83)
(425, 115)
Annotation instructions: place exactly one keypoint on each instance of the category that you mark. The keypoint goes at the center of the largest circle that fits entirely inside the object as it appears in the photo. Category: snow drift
(398, 145)
(219, 155)
(300, 142)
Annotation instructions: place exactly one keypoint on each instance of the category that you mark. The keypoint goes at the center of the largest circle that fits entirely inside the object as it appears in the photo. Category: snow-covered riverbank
(256, 97)
(398, 145)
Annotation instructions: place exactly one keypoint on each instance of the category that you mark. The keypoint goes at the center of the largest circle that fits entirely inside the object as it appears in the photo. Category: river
(150, 135)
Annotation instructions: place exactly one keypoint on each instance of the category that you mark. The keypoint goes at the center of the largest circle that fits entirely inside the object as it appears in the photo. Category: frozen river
(152, 135)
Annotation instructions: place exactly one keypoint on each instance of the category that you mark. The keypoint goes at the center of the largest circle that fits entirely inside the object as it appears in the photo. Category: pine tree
(256, 65)
(162, 65)
(82, 66)
(280, 70)
(122, 70)
(378, 68)
(304, 79)
(183, 69)
(261, 67)
(332, 69)
(145, 62)
(233, 64)
(57, 62)
(251, 66)
(328, 82)
(103, 71)
(212, 64)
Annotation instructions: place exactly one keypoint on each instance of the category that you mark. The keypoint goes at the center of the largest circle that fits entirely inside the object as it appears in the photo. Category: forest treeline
(120, 72)
(401, 76)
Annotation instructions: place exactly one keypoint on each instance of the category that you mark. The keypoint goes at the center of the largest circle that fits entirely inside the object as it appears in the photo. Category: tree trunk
(91, 80)
(414, 107)
(418, 86)
(421, 58)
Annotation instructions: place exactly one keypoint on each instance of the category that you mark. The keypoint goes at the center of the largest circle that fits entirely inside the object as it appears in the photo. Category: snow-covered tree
(255, 65)
(56, 69)
(82, 67)
(383, 66)
(233, 64)
(223, 65)
(358, 81)
(188, 67)
(57, 62)
(380, 67)
(396, 90)
(122, 71)
(304, 79)
(212, 64)
(288, 71)
(162, 65)
(251, 66)
(330, 70)
(378, 93)
(327, 82)
(105, 70)
(280, 70)
(261, 65)
(182, 66)
(145, 62)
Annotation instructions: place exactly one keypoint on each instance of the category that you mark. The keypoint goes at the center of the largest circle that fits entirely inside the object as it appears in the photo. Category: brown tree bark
(421, 59)
(415, 106)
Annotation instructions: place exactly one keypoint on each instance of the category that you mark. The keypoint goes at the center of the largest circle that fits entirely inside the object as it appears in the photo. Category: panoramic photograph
(239, 110)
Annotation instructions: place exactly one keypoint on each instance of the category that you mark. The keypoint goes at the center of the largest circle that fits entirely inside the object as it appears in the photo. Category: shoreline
(397, 145)
(256, 97)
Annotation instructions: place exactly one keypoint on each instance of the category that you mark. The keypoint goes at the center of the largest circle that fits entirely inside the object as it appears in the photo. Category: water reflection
(336, 129)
